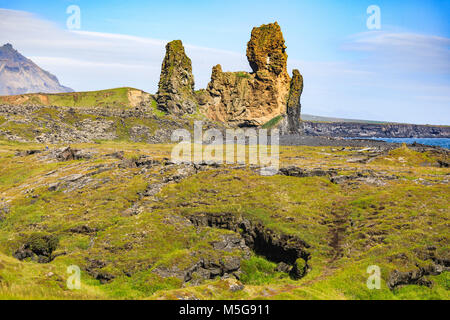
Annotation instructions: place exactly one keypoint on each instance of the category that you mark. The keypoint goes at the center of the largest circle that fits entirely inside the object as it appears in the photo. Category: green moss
(42, 243)
(384, 225)
(25, 130)
(156, 111)
(272, 123)
(258, 271)
(301, 264)
(242, 74)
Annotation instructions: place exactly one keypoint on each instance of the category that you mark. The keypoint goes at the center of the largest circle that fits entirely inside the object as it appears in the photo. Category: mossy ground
(119, 97)
(384, 225)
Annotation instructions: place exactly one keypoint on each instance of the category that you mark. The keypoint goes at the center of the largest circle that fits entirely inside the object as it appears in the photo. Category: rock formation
(291, 120)
(251, 99)
(266, 51)
(176, 85)
(240, 99)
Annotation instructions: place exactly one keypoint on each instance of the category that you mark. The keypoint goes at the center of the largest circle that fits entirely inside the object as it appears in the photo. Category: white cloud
(86, 60)
(402, 77)
(69, 62)
(406, 52)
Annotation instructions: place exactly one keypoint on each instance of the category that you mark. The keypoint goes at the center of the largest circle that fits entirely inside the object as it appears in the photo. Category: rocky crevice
(275, 247)
(38, 247)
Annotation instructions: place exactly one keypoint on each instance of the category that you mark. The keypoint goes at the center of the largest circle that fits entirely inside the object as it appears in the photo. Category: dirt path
(337, 230)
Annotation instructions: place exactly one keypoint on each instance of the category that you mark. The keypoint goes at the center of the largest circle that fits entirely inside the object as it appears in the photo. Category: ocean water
(441, 142)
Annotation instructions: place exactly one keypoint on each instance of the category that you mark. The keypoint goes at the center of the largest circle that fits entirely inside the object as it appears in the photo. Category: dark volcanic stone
(176, 85)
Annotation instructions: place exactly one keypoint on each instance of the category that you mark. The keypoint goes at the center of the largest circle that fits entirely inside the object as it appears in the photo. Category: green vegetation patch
(272, 123)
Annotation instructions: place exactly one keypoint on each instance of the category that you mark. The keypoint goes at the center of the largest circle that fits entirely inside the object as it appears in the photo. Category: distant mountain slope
(20, 75)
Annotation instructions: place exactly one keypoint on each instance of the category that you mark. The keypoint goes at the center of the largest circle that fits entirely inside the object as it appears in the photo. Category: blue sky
(399, 73)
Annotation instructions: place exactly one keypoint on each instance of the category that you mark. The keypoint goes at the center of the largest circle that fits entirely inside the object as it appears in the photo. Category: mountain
(20, 75)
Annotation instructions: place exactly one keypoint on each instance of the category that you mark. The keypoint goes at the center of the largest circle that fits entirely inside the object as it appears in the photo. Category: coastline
(369, 130)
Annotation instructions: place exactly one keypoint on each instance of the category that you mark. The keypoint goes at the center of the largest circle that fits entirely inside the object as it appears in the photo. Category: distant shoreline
(437, 142)
(365, 142)
(369, 130)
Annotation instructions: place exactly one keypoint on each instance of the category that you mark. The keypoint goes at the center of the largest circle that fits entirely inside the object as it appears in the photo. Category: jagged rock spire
(293, 106)
(176, 85)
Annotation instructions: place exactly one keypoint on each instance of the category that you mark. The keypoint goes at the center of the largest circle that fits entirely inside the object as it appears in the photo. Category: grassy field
(100, 216)
(119, 98)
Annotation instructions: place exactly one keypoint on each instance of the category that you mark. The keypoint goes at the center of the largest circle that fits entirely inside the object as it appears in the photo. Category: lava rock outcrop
(239, 99)
(276, 247)
(291, 120)
(245, 99)
(176, 85)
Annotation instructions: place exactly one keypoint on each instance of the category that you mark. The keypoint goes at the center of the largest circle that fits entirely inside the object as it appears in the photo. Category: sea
(441, 142)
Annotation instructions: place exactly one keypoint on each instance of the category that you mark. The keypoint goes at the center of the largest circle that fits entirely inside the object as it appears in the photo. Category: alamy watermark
(74, 280)
(241, 146)
(374, 19)
(73, 22)
(374, 280)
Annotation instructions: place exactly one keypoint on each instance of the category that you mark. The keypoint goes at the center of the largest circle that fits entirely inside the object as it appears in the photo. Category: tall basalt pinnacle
(176, 85)
(251, 99)
(293, 106)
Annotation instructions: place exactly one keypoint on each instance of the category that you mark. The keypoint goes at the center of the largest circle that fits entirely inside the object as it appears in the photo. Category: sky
(399, 72)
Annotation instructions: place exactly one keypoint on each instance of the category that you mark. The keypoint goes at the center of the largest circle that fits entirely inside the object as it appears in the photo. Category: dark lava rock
(417, 276)
(361, 130)
(283, 267)
(293, 171)
(67, 154)
(291, 121)
(205, 268)
(142, 161)
(83, 230)
(397, 278)
(176, 85)
(443, 164)
(92, 269)
(39, 247)
(273, 246)
(25, 153)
